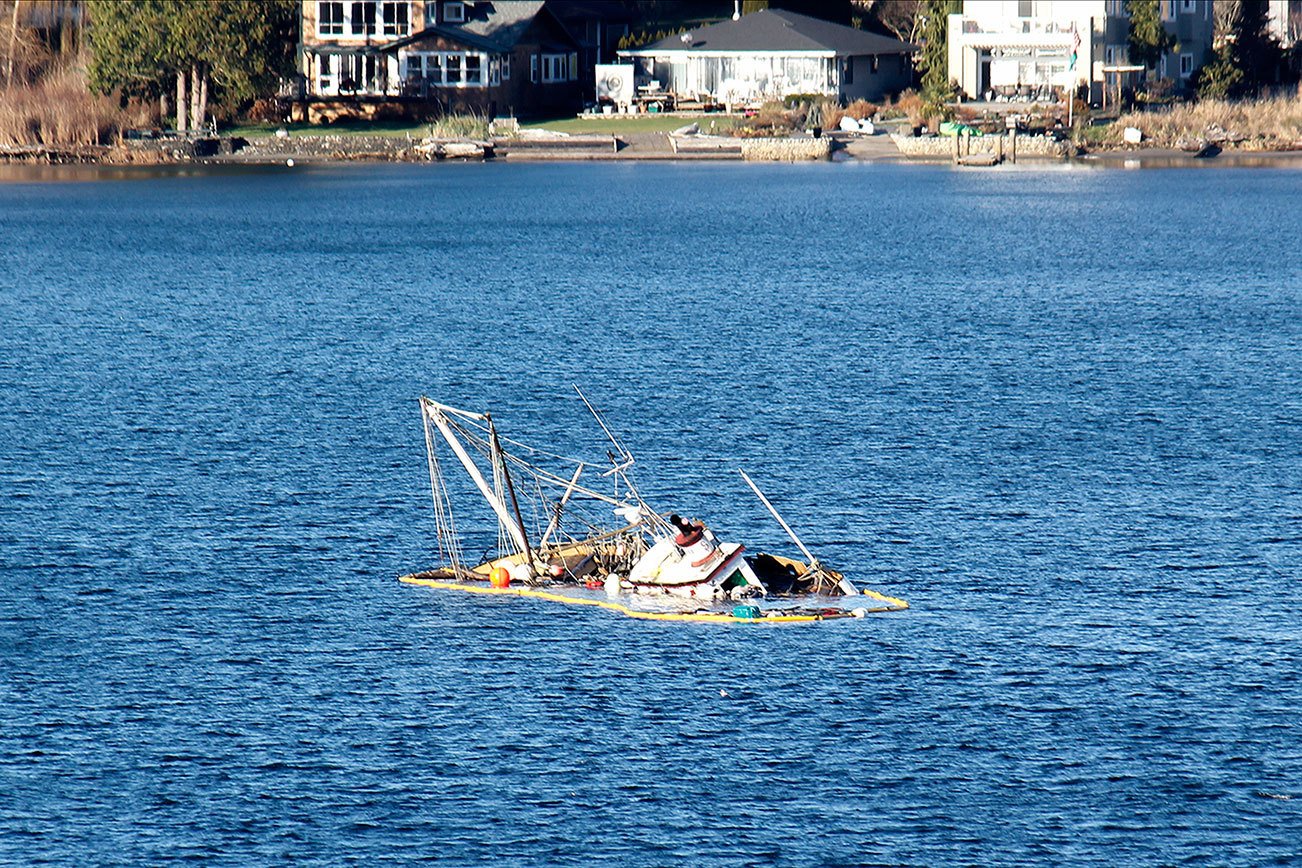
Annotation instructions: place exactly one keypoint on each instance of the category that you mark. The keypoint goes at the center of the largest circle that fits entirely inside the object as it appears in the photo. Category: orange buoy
(500, 578)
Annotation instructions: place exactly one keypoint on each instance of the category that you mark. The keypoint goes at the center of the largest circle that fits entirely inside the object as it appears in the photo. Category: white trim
(341, 24)
(675, 53)
(443, 63)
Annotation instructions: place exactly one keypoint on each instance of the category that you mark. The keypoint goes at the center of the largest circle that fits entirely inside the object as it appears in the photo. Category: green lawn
(614, 125)
(617, 124)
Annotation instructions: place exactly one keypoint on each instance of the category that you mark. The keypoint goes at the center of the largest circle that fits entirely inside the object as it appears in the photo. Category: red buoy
(500, 578)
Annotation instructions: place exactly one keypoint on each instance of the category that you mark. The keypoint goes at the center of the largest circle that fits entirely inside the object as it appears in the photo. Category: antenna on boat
(625, 457)
(813, 561)
(622, 464)
(510, 489)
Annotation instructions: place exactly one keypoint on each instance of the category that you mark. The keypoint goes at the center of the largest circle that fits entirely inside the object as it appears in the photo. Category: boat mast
(510, 489)
(846, 586)
(435, 414)
(560, 507)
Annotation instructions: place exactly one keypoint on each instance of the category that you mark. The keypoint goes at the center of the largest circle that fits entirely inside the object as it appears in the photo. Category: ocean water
(1059, 410)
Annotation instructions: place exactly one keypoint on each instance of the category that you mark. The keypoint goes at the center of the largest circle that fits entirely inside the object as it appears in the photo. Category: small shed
(770, 54)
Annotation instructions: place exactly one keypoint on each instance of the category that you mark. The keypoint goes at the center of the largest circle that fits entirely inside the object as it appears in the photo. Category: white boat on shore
(555, 532)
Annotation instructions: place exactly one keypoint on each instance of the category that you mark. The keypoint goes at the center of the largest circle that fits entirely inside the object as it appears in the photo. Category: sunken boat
(561, 535)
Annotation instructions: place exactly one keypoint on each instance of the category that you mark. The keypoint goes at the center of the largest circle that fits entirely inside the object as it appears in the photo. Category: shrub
(796, 100)
(861, 109)
(909, 105)
(774, 116)
(460, 126)
(59, 110)
(1252, 124)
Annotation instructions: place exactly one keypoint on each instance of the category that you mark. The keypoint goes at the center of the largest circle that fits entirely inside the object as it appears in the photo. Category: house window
(1170, 9)
(454, 13)
(574, 66)
(447, 68)
(506, 67)
(396, 17)
(1187, 6)
(1186, 65)
(1161, 66)
(330, 18)
(494, 72)
(875, 63)
(326, 73)
(847, 71)
(554, 68)
(533, 68)
(363, 20)
(415, 68)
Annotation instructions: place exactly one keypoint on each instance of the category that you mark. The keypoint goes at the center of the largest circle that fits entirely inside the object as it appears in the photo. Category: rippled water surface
(1059, 411)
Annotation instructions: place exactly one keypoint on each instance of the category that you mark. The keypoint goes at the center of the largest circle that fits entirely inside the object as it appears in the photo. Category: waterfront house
(1037, 49)
(426, 57)
(770, 54)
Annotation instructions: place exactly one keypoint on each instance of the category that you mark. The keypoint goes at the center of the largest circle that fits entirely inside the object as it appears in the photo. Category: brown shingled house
(430, 57)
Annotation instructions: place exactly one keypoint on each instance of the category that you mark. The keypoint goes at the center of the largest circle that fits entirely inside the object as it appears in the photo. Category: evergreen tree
(228, 49)
(1148, 39)
(933, 60)
(1247, 55)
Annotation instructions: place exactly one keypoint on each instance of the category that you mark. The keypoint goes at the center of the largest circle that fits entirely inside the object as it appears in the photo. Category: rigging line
(462, 424)
(624, 453)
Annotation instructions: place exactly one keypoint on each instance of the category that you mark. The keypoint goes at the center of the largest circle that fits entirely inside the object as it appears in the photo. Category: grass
(585, 124)
(57, 110)
(1266, 124)
(648, 123)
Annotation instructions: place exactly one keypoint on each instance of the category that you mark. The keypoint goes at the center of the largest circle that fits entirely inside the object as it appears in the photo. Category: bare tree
(13, 46)
(898, 16)
(1225, 20)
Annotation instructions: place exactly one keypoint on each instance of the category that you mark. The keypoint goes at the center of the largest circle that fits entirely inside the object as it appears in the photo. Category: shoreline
(636, 147)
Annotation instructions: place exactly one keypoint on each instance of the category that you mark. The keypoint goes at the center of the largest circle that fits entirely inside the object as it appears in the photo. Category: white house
(1035, 48)
(772, 53)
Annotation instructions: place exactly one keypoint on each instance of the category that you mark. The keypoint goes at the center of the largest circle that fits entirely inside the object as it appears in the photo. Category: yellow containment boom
(894, 604)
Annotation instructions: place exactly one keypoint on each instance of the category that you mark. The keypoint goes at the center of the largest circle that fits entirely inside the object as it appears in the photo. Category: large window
(1186, 65)
(555, 67)
(446, 68)
(362, 20)
(360, 17)
(396, 17)
(330, 18)
(349, 73)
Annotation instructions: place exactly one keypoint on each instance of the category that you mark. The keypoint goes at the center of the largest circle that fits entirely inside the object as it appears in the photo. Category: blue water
(1058, 410)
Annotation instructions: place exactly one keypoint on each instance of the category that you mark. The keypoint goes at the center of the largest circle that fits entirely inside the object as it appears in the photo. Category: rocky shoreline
(293, 150)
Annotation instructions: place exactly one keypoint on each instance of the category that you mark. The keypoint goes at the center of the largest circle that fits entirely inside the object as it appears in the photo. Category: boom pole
(435, 415)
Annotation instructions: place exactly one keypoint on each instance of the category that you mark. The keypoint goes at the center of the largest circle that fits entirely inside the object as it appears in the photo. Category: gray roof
(502, 22)
(491, 25)
(779, 30)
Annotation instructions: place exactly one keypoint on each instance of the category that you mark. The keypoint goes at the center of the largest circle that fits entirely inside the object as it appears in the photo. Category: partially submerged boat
(560, 537)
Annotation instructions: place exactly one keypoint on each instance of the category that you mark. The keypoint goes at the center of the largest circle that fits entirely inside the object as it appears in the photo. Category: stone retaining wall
(942, 147)
(336, 147)
(786, 150)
